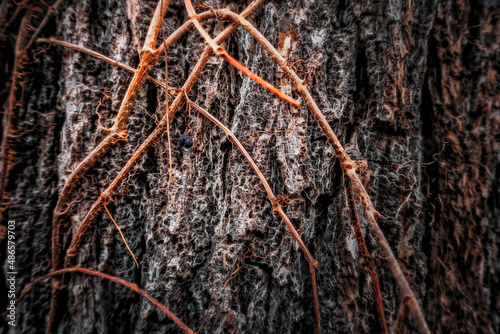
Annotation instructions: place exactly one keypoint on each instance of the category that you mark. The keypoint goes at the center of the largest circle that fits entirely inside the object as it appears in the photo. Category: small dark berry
(182, 140)
(189, 143)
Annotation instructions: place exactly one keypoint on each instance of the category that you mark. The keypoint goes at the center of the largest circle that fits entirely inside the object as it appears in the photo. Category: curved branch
(118, 133)
(221, 52)
(132, 286)
(276, 206)
(348, 166)
(153, 138)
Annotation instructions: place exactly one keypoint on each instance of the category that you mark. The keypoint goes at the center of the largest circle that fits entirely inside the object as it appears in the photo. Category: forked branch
(117, 133)
(153, 138)
(167, 43)
(348, 166)
(221, 52)
(118, 130)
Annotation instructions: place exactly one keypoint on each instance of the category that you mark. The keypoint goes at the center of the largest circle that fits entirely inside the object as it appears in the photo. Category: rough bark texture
(410, 88)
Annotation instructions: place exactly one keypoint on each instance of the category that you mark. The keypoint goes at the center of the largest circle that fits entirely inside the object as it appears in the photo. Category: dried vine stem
(276, 206)
(52, 9)
(97, 55)
(174, 37)
(132, 286)
(221, 52)
(153, 138)
(112, 139)
(119, 230)
(118, 130)
(166, 111)
(372, 268)
(4, 11)
(348, 166)
(117, 133)
(7, 153)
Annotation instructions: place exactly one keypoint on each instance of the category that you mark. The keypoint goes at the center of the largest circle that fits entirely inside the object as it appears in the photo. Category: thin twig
(97, 55)
(52, 9)
(118, 133)
(152, 139)
(119, 230)
(317, 316)
(132, 286)
(348, 166)
(372, 268)
(166, 111)
(276, 206)
(221, 52)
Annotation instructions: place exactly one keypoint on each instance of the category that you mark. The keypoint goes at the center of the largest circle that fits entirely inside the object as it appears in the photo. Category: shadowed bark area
(409, 87)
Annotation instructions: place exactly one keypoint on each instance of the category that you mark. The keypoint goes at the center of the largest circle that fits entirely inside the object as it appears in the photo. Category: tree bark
(409, 87)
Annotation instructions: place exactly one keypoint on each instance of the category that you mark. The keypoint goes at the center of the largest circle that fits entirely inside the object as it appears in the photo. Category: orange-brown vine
(63, 260)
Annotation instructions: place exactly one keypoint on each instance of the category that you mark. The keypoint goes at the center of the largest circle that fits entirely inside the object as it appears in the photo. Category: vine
(63, 259)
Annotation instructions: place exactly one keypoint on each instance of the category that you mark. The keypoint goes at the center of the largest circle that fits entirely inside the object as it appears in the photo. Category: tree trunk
(409, 87)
